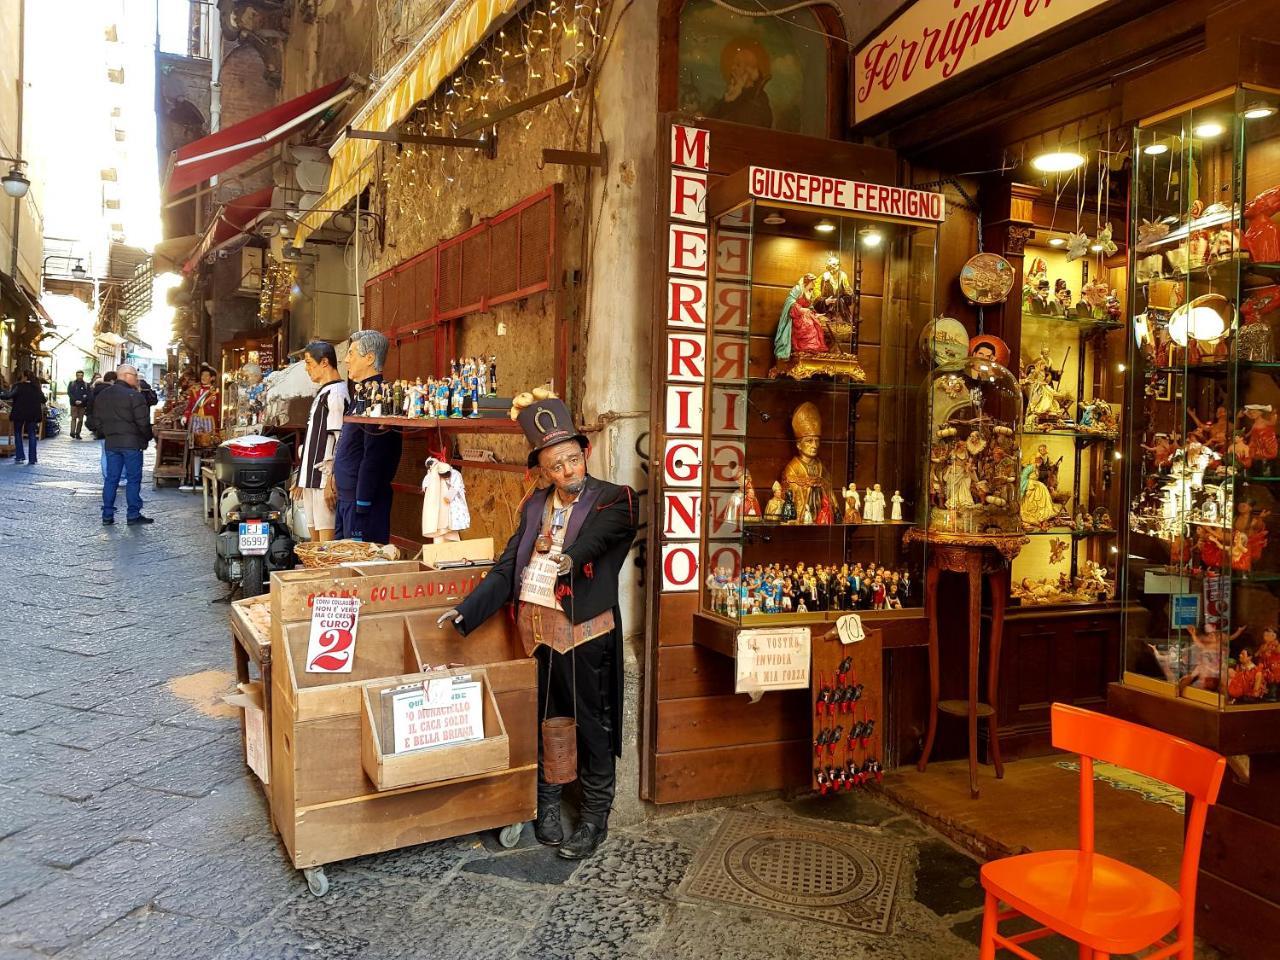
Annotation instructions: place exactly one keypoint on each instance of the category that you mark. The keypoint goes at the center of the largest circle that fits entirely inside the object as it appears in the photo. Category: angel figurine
(1104, 240)
(1077, 245)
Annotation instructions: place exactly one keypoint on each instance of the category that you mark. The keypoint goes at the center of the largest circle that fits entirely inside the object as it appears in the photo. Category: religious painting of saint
(761, 71)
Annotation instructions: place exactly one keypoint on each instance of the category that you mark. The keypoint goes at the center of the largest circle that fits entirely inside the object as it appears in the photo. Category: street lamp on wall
(15, 182)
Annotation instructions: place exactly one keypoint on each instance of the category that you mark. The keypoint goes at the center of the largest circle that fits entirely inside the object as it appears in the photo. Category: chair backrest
(1179, 763)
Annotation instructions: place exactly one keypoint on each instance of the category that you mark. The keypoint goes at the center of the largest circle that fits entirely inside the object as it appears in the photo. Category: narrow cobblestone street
(131, 826)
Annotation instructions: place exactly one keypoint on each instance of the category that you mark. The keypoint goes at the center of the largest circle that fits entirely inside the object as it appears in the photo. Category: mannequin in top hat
(576, 533)
(366, 458)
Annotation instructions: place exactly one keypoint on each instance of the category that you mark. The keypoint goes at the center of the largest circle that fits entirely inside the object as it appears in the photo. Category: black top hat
(546, 423)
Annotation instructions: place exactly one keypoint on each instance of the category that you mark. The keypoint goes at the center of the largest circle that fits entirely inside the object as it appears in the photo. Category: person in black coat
(124, 420)
(26, 413)
(78, 397)
(95, 391)
(560, 570)
(366, 457)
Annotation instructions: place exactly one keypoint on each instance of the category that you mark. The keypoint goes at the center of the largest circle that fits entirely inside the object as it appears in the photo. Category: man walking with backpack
(124, 421)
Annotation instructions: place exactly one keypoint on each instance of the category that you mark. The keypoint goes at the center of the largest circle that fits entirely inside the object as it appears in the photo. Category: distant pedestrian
(107, 380)
(78, 395)
(27, 413)
(125, 422)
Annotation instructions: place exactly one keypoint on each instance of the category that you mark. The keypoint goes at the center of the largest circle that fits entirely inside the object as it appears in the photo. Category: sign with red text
(808, 189)
(331, 647)
(679, 566)
(772, 659)
(442, 710)
(935, 40)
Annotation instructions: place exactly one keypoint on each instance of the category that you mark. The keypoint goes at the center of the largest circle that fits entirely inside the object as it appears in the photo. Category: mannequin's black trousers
(592, 662)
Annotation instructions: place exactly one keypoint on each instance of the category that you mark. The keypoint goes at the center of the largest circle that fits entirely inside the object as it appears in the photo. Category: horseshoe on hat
(537, 422)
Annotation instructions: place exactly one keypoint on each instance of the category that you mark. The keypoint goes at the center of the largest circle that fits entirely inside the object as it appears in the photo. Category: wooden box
(324, 803)
(397, 587)
(445, 762)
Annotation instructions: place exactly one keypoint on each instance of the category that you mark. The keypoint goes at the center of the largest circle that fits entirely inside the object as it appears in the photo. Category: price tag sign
(1186, 610)
(332, 645)
(772, 659)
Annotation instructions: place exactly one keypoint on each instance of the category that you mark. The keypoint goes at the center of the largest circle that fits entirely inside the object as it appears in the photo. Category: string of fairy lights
(549, 43)
(277, 286)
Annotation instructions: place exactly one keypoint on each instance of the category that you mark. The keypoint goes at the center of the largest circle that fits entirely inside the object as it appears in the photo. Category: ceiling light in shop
(1059, 161)
(824, 226)
(775, 219)
(871, 237)
(1096, 247)
(1155, 149)
(1057, 241)
(1209, 130)
(1256, 111)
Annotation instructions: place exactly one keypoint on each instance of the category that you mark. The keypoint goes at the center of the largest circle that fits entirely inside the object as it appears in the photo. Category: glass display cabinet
(810, 411)
(1202, 576)
(1070, 373)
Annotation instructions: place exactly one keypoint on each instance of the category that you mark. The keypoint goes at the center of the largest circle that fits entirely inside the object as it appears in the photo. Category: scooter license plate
(254, 538)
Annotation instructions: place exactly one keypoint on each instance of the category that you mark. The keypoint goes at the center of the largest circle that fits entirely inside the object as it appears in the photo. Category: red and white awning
(234, 219)
(218, 152)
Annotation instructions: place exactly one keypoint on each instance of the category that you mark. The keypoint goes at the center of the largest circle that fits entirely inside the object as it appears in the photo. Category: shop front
(1105, 240)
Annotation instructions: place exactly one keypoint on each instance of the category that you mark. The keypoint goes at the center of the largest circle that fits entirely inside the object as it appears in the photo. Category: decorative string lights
(277, 285)
(548, 44)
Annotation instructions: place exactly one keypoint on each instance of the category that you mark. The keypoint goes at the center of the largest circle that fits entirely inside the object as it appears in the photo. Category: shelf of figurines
(1086, 324)
(482, 424)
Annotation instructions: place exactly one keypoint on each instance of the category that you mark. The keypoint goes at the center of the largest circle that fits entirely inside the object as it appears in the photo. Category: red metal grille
(373, 315)
(475, 270)
(535, 243)
(504, 253)
(450, 280)
(506, 258)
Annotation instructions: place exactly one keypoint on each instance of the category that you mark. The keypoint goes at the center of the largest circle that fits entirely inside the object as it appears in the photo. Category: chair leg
(987, 945)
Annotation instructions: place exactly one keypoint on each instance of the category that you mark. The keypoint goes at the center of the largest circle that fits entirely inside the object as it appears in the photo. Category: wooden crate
(401, 586)
(446, 762)
(324, 804)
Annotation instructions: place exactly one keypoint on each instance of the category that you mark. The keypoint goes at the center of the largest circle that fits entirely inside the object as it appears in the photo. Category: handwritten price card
(772, 659)
(440, 712)
(332, 646)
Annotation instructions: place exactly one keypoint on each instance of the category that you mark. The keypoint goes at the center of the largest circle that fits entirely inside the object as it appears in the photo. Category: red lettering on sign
(688, 196)
(679, 566)
(731, 306)
(685, 357)
(730, 360)
(726, 462)
(686, 302)
(688, 249)
(682, 514)
(682, 463)
(680, 408)
(690, 147)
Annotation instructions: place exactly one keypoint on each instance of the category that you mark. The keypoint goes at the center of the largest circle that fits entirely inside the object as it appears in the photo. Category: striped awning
(446, 45)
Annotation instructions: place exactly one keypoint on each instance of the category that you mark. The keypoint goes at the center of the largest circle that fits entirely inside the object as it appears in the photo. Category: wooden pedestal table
(976, 556)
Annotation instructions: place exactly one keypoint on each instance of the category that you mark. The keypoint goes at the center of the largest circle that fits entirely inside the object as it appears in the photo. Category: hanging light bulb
(1155, 149)
(1058, 161)
(824, 226)
(870, 236)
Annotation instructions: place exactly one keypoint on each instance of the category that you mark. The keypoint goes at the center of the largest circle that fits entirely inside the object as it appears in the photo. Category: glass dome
(973, 469)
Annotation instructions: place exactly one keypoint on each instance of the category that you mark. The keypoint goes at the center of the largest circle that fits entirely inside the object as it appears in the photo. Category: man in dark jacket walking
(124, 420)
(78, 396)
(27, 413)
(560, 570)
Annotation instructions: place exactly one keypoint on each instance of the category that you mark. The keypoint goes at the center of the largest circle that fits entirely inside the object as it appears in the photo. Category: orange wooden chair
(1104, 905)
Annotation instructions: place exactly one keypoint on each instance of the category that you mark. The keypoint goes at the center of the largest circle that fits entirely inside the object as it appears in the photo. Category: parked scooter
(255, 537)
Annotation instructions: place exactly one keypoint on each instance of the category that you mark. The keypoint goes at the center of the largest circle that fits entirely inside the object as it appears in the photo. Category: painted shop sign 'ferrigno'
(935, 40)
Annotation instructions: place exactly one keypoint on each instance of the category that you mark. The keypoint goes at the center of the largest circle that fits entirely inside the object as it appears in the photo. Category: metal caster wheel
(317, 882)
(510, 836)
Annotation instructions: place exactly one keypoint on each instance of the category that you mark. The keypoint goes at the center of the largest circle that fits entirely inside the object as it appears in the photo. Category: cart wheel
(510, 836)
(317, 882)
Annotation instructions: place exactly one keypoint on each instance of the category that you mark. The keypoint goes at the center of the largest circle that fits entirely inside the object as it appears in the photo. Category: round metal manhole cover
(800, 870)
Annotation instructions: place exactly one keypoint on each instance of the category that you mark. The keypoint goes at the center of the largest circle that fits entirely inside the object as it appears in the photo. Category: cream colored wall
(30, 229)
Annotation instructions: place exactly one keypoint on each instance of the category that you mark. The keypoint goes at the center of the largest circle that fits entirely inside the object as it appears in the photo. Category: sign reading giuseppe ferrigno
(934, 40)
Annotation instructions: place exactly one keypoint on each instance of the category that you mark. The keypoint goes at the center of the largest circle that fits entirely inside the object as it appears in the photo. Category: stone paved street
(130, 827)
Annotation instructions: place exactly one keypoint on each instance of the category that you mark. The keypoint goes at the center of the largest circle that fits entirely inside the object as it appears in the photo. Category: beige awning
(445, 46)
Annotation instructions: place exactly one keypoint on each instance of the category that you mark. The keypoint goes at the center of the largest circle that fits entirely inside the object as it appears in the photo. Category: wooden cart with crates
(173, 456)
(335, 790)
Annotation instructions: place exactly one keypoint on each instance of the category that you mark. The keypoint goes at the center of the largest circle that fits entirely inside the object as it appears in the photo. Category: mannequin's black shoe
(584, 841)
(547, 827)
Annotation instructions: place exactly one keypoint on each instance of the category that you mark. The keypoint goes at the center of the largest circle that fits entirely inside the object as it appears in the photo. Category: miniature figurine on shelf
(1046, 406)
(773, 509)
(788, 514)
(493, 375)
(750, 505)
(1094, 294)
(1268, 657)
(804, 476)
(1038, 507)
(1205, 659)
(1102, 519)
(1263, 447)
(1098, 417)
(799, 328)
(1065, 306)
(1163, 450)
(1261, 237)
(873, 505)
(852, 504)
(1035, 287)
(897, 501)
(1246, 682)
(1213, 435)
(834, 300)
(1256, 341)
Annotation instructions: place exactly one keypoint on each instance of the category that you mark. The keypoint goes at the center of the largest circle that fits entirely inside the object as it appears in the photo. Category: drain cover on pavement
(831, 873)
